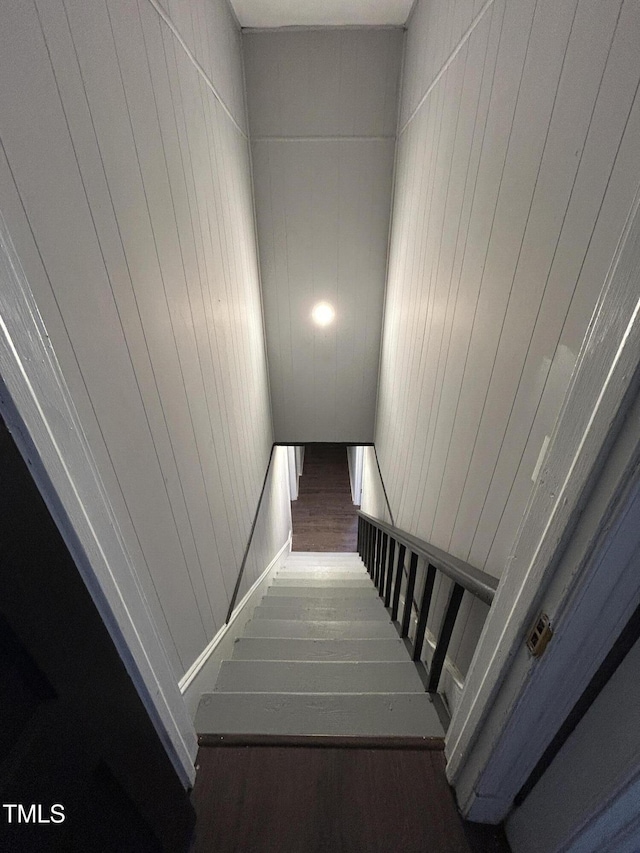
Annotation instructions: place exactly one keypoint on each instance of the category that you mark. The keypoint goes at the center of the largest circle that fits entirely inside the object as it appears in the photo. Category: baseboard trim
(202, 658)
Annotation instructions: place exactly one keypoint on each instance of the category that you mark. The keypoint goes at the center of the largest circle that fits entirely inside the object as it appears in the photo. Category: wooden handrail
(236, 588)
(477, 582)
(384, 488)
(377, 545)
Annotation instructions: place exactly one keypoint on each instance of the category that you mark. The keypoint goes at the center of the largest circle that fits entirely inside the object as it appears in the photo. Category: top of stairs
(320, 657)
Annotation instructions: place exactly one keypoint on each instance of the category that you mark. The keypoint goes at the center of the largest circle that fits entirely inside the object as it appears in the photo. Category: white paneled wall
(518, 158)
(322, 111)
(125, 184)
(274, 521)
(373, 499)
(211, 35)
(514, 179)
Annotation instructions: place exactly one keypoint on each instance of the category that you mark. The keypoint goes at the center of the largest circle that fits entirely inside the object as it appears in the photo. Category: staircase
(320, 657)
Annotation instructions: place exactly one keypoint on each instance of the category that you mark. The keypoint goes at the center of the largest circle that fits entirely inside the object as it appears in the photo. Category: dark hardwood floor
(280, 799)
(324, 517)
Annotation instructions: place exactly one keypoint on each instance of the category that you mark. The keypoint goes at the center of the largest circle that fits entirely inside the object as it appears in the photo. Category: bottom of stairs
(318, 734)
(340, 714)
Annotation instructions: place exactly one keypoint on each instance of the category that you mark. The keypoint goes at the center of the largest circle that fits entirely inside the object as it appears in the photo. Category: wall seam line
(167, 20)
(447, 63)
(320, 138)
(254, 212)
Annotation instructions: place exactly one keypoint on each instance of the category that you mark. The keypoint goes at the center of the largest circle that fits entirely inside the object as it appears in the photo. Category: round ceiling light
(323, 314)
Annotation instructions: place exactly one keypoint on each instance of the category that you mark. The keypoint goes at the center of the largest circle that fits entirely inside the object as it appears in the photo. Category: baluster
(376, 555)
(424, 611)
(446, 630)
(392, 553)
(398, 584)
(367, 549)
(372, 550)
(408, 600)
(383, 563)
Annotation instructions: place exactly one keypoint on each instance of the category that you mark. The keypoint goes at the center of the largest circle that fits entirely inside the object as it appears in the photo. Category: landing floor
(324, 517)
(282, 799)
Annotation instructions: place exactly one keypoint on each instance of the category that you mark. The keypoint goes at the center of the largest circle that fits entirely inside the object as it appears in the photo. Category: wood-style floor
(281, 799)
(324, 517)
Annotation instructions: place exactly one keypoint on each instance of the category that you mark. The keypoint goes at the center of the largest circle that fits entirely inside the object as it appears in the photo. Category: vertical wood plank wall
(125, 185)
(323, 112)
(518, 158)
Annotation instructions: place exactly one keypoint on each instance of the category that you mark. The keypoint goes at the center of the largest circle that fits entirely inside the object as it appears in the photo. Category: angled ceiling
(308, 13)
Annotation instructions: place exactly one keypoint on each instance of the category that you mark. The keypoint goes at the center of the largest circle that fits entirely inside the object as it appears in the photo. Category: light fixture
(323, 314)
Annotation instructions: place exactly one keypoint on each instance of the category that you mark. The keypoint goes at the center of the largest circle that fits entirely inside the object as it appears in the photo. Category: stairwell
(320, 657)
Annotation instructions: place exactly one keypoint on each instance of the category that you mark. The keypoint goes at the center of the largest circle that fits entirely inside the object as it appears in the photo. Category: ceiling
(322, 113)
(307, 13)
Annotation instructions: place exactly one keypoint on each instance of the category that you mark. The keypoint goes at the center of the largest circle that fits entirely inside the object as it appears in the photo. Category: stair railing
(385, 550)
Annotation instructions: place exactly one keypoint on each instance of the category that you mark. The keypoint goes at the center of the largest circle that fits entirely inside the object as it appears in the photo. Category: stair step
(320, 629)
(324, 574)
(323, 583)
(326, 566)
(240, 676)
(276, 648)
(362, 593)
(374, 714)
(319, 556)
(339, 612)
(372, 602)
